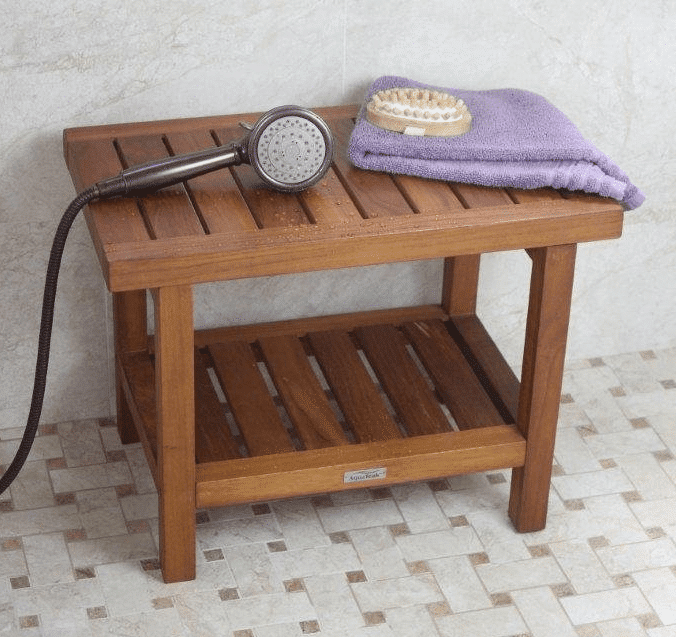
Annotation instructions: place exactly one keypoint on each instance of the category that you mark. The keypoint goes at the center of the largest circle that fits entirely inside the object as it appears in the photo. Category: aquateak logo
(364, 474)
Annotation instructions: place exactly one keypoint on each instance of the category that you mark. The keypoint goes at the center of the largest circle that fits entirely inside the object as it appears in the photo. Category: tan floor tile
(48, 559)
(32, 488)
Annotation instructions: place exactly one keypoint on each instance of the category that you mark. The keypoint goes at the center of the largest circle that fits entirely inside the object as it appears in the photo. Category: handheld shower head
(289, 147)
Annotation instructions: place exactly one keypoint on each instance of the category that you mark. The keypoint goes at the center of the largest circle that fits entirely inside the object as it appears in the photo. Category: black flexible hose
(45, 336)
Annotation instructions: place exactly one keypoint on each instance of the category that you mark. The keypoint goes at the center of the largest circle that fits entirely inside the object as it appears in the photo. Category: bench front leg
(541, 379)
(175, 394)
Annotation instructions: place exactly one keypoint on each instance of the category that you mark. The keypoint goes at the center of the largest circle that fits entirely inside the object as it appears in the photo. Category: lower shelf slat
(492, 364)
(214, 440)
(385, 348)
(301, 392)
(249, 400)
(461, 389)
(356, 394)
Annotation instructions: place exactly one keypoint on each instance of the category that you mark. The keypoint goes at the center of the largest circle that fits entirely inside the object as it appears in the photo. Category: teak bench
(243, 414)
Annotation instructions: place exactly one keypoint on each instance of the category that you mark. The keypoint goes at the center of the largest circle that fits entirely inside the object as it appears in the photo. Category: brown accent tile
(608, 463)
(21, 581)
(202, 517)
(501, 599)
(160, 603)
(294, 586)
(477, 559)
(227, 594)
(6, 506)
(655, 532)
(588, 630)
(340, 537)
(84, 573)
(354, 577)
(574, 505)
(597, 362)
(374, 618)
(496, 478)
(664, 455)
(56, 463)
(623, 581)
(639, 423)
(277, 547)
(29, 621)
(567, 399)
(399, 529)
(632, 496)
(617, 392)
(137, 526)
(116, 455)
(124, 490)
(598, 542)
(213, 555)
(11, 544)
(382, 493)
(439, 609)
(107, 422)
(75, 535)
(97, 612)
(243, 633)
(558, 470)
(415, 568)
(64, 498)
(261, 508)
(649, 620)
(539, 550)
(563, 590)
(438, 485)
(322, 501)
(668, 384)
(151, 564)
(458, 521)
(587, 430)
(47, 430)
(310, 626)
(648, 355)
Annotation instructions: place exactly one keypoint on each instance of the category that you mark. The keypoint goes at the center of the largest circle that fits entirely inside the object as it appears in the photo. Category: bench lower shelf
(332, 403)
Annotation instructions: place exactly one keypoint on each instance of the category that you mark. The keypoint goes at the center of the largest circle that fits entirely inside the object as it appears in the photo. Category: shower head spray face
(290, 148)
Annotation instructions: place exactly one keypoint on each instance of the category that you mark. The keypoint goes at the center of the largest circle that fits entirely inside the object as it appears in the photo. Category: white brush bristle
(437, 113)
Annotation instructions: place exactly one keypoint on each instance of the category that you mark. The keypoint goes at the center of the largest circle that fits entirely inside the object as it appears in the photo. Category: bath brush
(414, 111)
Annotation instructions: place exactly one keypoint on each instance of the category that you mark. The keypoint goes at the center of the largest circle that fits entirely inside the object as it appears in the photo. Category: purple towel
(517, 139)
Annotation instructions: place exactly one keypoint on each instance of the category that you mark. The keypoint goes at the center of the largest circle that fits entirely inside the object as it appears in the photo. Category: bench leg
(131, 335)
(542, 372)
(175, 394)
(461, 279)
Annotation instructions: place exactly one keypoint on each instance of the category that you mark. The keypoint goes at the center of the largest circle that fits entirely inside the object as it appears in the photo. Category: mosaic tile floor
(78, 539)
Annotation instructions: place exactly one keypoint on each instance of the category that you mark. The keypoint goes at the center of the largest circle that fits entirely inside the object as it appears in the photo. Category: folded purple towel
(517, 139)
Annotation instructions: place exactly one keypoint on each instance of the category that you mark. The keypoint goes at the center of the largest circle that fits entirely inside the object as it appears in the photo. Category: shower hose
(45, 335)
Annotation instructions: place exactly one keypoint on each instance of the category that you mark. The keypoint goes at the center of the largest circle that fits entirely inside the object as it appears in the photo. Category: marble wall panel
(66, 63)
